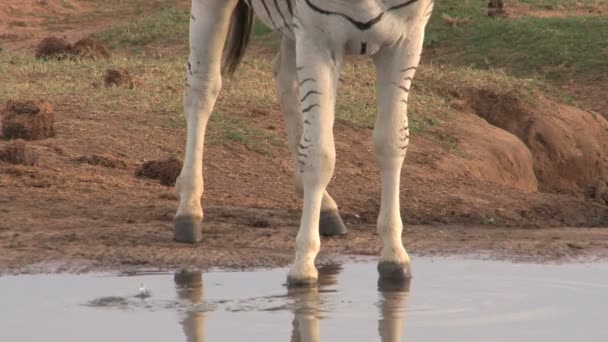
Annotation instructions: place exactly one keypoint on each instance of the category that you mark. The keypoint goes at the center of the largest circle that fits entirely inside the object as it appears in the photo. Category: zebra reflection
(189, 286)
(307, 306)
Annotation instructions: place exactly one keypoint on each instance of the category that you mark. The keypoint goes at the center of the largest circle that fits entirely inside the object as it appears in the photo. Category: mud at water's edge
(228, 244)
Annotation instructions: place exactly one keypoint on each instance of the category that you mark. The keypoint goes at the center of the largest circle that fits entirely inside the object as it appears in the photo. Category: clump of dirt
(59, 48)
(53, 48)
(569, 145)
(19, 154)
(90, 48)
(496, 8)
(166, 171)
(601, 191)
(118, 77)
(104, 161)
(28, 120)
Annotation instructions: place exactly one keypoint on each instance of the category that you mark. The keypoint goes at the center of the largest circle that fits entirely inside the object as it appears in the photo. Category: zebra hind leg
(285, 72)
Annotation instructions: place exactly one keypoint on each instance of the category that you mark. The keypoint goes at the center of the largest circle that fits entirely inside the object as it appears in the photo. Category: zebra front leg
(208, 30)
(286, 77)
(318, 70)
(395, 66)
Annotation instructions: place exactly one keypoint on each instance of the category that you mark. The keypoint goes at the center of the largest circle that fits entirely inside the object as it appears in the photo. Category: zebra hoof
(188, 229)
(392, 271)
(392, 285)
(299, 282)
(331, 224)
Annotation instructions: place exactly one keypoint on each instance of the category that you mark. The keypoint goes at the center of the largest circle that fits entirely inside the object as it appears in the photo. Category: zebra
(316, 37)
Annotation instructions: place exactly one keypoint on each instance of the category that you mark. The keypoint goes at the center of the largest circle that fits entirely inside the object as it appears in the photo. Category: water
(448, 300)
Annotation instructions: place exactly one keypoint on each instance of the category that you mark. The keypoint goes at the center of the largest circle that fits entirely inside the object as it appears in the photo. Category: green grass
(156, 99)
(166, 26)
(157, 96)
(565, 4)
(552, 48)
(226, 127)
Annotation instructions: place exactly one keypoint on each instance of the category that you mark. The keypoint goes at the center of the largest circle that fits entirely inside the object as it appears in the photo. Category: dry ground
(473, 183)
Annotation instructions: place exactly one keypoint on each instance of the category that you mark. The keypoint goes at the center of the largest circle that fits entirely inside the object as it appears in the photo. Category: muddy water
(448, 300)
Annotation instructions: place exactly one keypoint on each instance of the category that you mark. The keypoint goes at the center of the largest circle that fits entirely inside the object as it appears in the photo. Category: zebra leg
(395, 66)
(285, 72)
(318, 70)
(208, 30)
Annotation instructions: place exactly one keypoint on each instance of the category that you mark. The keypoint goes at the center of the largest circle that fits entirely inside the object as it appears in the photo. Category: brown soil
(523, 10)
(484, 199)
(88, 217)
(118, 77)
(105, 161)
(166, 171)
(19, 154)
(29, 120)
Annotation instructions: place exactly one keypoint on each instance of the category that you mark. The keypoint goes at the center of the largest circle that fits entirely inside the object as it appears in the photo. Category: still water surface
(448, 300)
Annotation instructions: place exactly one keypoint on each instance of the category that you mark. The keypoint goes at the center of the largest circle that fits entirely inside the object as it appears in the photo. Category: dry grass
(156, 98)
(158, 81)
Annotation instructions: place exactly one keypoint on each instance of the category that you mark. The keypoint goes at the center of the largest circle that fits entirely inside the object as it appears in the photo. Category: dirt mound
(59, 48)
(166, 171)
(569, 146)
(90, 48)
(53, 47)
(118, 77)
(496, 8)
(18, 153)
(105, 161)
(29, 120)
(491, 154)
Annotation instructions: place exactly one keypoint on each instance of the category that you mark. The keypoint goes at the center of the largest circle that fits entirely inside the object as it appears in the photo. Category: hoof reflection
(307, 304)
(189, 286)
(393, 294)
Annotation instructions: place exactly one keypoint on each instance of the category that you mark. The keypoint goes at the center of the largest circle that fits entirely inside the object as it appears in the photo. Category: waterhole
(449, 299)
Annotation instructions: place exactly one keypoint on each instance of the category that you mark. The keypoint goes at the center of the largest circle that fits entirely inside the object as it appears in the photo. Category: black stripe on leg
(406, 90)
(307, 80)
(309, 108)
(311, 92)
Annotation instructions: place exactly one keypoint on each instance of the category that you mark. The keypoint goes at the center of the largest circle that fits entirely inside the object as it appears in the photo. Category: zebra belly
(354, 26)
